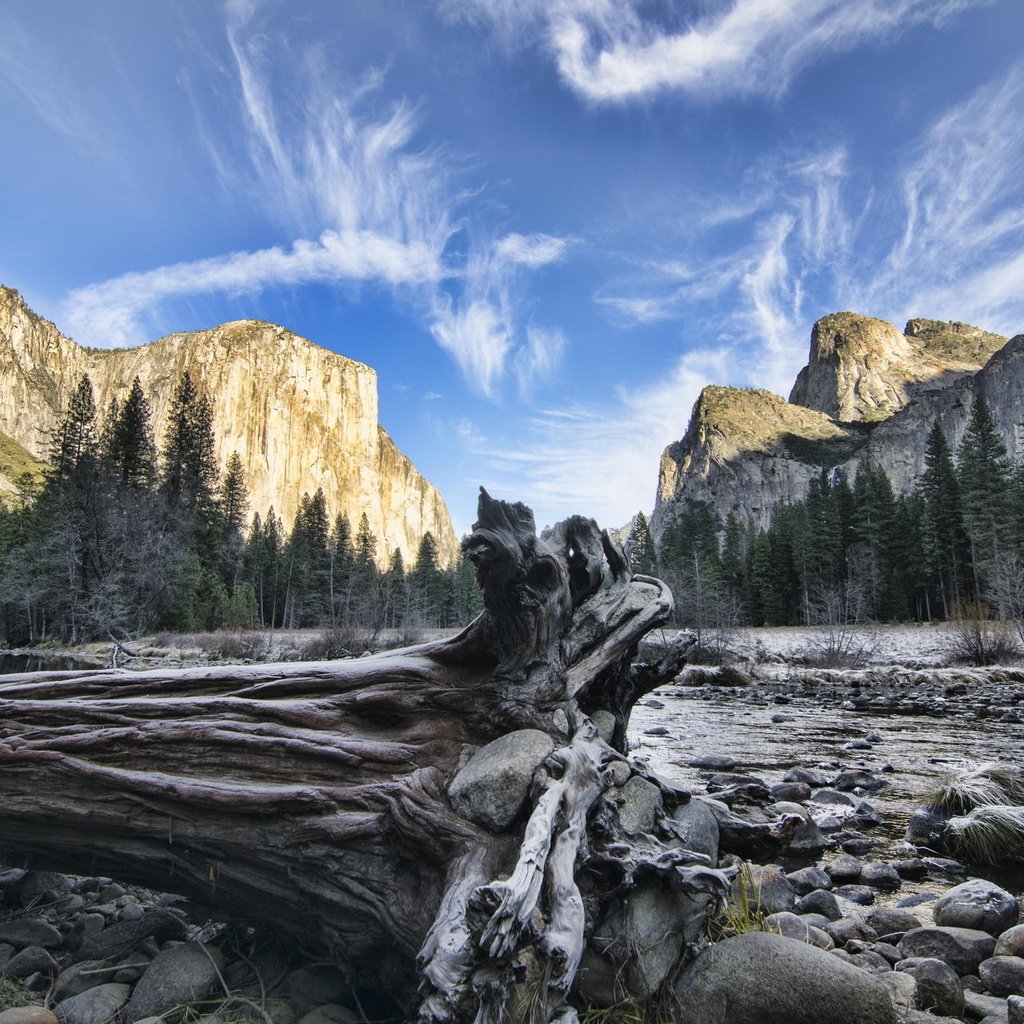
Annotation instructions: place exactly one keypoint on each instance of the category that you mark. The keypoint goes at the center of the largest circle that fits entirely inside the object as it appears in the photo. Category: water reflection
(10, 663)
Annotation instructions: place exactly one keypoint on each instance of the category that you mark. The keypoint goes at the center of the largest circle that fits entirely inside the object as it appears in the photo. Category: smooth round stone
(978, 904)
(1003, 975)
(938, 988)
(881, 875)
(1011, 942)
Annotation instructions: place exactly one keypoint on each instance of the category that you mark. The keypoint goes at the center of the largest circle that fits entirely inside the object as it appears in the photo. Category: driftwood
(317, 795)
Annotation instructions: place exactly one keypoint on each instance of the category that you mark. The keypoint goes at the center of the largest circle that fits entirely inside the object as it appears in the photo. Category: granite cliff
(299, 416)
(867, 394)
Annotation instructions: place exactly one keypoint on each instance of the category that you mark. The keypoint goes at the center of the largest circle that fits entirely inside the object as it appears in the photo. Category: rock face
(299, 416)
(868, 394)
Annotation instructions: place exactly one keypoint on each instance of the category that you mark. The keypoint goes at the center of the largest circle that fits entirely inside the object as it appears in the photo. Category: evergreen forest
(854, 551)
(119, 539)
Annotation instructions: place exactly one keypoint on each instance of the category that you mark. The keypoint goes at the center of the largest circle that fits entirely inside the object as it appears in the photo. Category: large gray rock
(639, 803)
(22, 932)
(28, 961)
(491, 789)
(889, 920)
(638, 943)
(1011, 942)
(962, 948)
(178, 975)
(938, 988)
(96, 1006)
(81, 977)
(1003, 975)
(698, 828)
(764, 887)
(978, 904)
(758, 978)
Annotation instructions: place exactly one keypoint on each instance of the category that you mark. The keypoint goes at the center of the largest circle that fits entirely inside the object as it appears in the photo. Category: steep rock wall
(868, 393)
(299, 416)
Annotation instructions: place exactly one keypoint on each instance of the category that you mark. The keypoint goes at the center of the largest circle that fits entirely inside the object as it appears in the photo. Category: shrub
(980, 640)
(235, 645)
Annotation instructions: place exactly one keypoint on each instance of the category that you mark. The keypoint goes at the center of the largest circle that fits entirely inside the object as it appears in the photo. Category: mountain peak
(862, 369)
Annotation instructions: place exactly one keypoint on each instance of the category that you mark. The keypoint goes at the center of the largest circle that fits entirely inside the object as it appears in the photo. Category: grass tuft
(980, 786)
(744, 911)
(991, 834)
(13, 995)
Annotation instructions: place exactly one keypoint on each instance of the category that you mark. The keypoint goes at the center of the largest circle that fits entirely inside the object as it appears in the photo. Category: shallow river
(921, 749)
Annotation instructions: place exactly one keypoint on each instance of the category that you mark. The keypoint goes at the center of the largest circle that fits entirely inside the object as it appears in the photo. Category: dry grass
(991, 834)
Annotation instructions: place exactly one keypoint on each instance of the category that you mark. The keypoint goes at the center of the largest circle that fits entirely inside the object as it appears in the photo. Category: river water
(920, 749)
(10, 663)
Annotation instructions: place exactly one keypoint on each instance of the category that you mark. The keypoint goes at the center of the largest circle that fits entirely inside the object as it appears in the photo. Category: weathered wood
(315, 795)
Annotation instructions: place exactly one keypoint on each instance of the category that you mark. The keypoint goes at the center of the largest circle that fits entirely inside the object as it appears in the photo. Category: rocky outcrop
(745, 450)
(299, 416)
(867, 394)
(860, 368)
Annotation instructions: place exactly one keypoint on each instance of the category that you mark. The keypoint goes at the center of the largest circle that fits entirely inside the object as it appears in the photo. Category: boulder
(844, 869)
(758, 978)
(491, 789)
(938, 988)
(810, 776)
(881, 875)
(978, 904)
(1003, 975)
(638, 942)
(765, 887)
(28, 961)
(857, 778)
(96, 1006)
(819, 902)
(1011, 942)
(27, 1015)
(890, 920)
(806, 880)
(639, 805)
(1014, 1010)
(963, 949)
(178, 975)
(22, 932)
(697, 828)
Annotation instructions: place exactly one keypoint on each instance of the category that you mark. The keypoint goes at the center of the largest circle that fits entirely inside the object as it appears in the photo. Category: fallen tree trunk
(455, 821)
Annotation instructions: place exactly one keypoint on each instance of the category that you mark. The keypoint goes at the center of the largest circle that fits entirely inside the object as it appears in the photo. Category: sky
(547, 224)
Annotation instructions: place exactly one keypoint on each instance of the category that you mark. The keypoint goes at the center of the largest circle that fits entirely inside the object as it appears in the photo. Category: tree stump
(455, 822)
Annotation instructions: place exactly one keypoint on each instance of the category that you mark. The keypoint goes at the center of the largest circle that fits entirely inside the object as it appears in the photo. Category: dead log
(358, 804)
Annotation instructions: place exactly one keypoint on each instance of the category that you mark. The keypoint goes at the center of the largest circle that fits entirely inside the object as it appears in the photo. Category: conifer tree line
(855, 551)
(122, 539)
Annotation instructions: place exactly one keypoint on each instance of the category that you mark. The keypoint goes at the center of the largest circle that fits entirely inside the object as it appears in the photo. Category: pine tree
(426, 583)
(234, 497)
(947, 547)
(189, 471)
(642, 556)
(129, 447)
(75, 439)
(984, 475)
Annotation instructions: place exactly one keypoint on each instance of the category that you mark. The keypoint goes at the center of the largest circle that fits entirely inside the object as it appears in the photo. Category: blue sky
(546, 223)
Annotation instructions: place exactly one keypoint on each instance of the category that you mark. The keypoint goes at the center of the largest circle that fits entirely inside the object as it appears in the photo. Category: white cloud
(537, 360)
(479, 326)
(614, 50)
(117, 312)
(531, 250)
(478, 335)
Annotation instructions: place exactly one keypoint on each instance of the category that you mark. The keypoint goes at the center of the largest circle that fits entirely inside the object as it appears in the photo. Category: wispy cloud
(961, 216)
(478, 325)
(602, 461)
(615, 50)
(359, 201)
